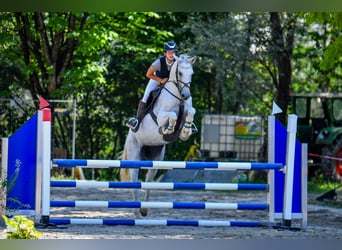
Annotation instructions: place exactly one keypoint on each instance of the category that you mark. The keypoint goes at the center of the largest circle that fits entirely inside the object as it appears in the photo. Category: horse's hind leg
(130, 174)
(134, 178)
(155, 154)
(132, 151)
(149, 178)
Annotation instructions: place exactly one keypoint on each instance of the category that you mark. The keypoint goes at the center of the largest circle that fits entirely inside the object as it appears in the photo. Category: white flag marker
(276, 109)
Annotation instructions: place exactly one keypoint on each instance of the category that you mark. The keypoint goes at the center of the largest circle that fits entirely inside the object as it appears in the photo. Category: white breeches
(152, 84)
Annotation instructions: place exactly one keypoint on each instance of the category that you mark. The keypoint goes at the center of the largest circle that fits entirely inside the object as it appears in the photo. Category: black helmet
(171, 45)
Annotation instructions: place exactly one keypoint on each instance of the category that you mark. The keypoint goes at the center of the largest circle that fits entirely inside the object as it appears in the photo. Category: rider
(158, 73)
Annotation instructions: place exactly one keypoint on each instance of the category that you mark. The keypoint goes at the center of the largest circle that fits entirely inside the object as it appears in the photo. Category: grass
(320, 187)
(314, 187)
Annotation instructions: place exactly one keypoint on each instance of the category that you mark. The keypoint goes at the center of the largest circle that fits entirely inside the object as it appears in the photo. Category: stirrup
(132, 123)
(194, 129)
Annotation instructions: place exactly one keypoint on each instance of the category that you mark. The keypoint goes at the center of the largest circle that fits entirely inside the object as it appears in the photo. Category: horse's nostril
(185, 96)
(185, 93)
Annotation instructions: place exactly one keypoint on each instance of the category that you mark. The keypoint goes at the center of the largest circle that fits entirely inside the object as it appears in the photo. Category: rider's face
(169, 54)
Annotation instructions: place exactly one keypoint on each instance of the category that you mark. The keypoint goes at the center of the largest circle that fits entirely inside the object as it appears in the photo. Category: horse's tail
(124, 172)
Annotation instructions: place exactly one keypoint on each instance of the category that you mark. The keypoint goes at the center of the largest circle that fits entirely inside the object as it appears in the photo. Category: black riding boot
(134, 122)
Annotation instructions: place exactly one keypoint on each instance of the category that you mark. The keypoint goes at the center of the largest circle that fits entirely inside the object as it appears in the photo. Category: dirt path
(323, 222)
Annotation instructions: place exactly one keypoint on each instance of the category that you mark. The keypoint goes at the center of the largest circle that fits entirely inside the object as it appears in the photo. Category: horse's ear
(192, 60)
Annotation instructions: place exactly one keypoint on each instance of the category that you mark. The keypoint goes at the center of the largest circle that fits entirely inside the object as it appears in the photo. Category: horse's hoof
(143, 211)
(136, 214)
(169, 131)
(194, 129)
(184, 138)
(160, 130)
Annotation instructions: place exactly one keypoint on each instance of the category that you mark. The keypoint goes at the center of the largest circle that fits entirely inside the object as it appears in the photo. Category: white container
(232, 137)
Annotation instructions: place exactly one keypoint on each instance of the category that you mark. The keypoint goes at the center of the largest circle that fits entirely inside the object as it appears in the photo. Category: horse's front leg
(167, 122)
(187, 128)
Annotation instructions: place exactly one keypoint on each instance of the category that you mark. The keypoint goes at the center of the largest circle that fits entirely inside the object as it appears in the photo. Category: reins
(180, 88)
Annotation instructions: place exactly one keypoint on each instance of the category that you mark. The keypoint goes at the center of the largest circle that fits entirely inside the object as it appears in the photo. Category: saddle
(149, 110)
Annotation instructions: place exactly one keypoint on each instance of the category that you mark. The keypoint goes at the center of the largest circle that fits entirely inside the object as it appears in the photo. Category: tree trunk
(52, 51)
(282, 39)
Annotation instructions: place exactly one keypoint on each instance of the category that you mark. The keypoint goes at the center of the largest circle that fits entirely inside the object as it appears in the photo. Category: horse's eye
(180, 74)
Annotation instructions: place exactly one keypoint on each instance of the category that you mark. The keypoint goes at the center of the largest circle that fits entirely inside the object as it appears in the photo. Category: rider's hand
(164, 80)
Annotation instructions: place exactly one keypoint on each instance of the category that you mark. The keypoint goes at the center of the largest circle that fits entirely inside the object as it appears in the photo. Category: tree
(47, 41)
(282, 41)
(245, 61)
(317, 60)
(66, 55)
(224, 59)
(333, 49)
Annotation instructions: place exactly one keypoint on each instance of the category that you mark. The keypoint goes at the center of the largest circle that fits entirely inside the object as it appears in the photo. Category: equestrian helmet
(171, 45)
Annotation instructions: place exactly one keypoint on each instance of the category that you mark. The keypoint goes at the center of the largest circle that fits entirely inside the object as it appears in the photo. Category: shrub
(20, 227)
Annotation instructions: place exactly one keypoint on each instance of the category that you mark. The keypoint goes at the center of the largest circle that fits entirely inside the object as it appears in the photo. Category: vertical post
(39, 170)
(4, 161)
(289, 169)
(271, 159)
(44, 160)
(74, 129)
(304, 196)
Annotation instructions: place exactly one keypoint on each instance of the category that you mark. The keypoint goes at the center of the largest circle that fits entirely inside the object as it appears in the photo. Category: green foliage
(317, 61)
(319, 187)
(108, 106)
(6, 184)
(100, 59)
(236, 70)
(225, 57)
(58, 176)
(3, 184)
(20, 227)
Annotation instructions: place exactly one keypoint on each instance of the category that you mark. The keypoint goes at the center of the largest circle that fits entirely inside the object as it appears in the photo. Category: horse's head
(183, 74)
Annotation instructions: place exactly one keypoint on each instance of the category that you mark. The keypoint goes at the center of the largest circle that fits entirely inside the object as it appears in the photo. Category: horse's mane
(184, 56)
(172, 76)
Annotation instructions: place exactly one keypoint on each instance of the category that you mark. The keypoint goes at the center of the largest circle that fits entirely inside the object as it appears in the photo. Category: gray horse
(170, 118)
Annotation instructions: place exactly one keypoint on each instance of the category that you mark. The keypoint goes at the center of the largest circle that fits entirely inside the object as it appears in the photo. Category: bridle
(180, 86)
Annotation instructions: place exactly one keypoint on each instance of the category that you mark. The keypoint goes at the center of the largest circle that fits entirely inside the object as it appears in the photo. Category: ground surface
(323, 222)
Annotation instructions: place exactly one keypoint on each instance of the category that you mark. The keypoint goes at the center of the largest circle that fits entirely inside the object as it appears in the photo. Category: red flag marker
(43, 103)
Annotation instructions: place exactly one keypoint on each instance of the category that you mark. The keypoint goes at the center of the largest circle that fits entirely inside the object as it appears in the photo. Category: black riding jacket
(164, 72)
